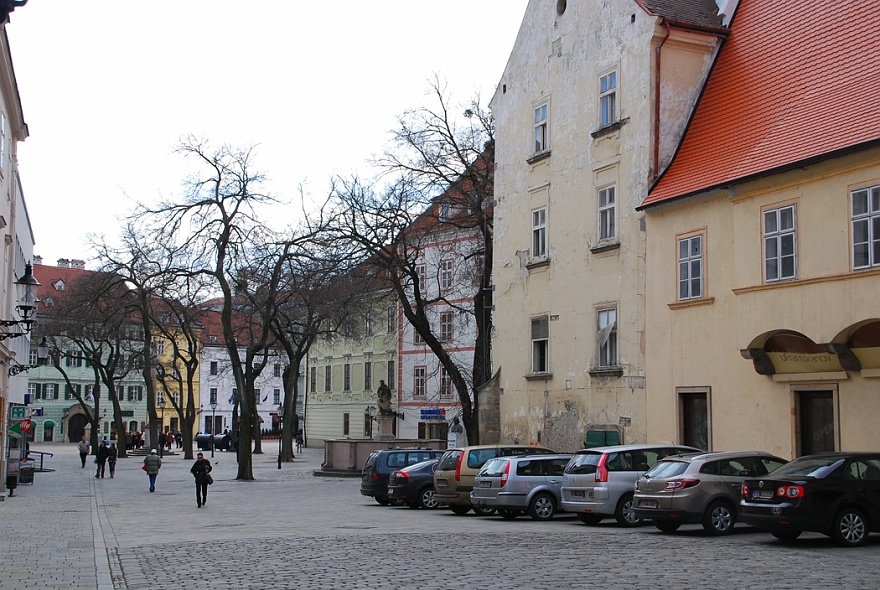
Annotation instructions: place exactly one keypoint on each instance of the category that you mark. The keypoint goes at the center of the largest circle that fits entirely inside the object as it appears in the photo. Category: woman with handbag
(201, 469)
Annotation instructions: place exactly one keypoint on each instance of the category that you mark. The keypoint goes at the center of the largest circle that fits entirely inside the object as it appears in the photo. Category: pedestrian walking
(178, 438)
(299, 441)
(152, 465)
(101, 458)
(111, 459)
(83, 447)
(201, 469)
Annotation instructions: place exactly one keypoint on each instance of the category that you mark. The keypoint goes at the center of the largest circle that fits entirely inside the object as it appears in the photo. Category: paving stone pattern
(290, 529)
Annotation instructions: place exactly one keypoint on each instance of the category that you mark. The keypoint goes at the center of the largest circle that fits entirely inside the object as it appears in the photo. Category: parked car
(513, 485)
(836, 494)
(703, 488)
(379, 465)
(454, 478)
(414, 485)
(599, 482)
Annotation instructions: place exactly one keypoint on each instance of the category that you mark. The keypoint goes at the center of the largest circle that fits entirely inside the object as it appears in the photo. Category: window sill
(538, 262)
(691, 303)
(539, 376)
(608, 129)
(538, 157)
(606, 372)
(605, 247)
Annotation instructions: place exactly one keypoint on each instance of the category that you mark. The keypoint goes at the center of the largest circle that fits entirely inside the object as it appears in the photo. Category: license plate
(762, 494)
(647, 503)
(485, 484)
(441, 482)
(577, 493)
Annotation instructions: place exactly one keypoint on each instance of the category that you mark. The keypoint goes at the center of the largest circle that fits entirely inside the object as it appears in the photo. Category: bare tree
(438, 182)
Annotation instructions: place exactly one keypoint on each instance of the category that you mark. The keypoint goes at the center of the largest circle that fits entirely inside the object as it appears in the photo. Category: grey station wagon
(514, 485)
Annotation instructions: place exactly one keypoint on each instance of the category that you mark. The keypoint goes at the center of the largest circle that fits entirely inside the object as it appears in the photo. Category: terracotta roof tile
(796, 80)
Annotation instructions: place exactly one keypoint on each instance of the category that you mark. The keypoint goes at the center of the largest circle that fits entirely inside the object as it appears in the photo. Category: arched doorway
(48, 431)
(76, 427)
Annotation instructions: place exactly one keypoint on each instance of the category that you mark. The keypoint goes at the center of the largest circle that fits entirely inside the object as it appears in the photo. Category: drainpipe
(656, 170)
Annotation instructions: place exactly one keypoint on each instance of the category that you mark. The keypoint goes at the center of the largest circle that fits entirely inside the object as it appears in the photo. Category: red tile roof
(795, 82)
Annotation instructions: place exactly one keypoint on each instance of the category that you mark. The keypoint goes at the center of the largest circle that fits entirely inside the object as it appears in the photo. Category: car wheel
(850, 528)
(383, 500)
(542, 507)
(508, 514)
(719, 519)
(590, 519)
(667, 526)
(427, 499)
(626, 513)
(459, 510)
(786, 534)
(483, 511)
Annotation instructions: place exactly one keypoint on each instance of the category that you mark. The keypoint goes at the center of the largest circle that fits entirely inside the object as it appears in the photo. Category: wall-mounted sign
(433, 413)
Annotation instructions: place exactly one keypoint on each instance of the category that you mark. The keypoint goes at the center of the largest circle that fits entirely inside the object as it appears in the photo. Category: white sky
(108, 88)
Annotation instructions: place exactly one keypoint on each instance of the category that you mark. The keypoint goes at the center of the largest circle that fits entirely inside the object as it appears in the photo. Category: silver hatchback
(513, 485)
(599, 483)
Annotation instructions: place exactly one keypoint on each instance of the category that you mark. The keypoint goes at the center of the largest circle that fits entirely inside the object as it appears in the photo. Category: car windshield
(449, 460)
(818, 467)
(493, 468)
(667, 469)
(583, 463)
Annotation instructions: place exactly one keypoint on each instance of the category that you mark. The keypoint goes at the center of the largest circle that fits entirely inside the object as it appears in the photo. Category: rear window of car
(477, 457)
(583, 463)
(418, 457)
(667, 469)
(396, 460)
(371, 460)
(818, 467)
(449, 460)
(493, 468)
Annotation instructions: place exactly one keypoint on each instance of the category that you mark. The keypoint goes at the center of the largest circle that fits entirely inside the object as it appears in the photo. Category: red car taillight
(790, 491)
(401, 474)
(505, 475)
(745, 490)
(601, 470)
(458, 467)
(673, 485)
(375, 477)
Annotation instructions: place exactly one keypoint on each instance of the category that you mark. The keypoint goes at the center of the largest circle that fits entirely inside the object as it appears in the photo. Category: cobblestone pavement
(290, 529)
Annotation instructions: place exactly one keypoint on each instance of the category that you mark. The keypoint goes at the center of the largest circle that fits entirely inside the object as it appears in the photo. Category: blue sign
(433, 413)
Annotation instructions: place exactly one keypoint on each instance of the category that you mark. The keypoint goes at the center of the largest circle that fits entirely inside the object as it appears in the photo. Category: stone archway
(76, 427)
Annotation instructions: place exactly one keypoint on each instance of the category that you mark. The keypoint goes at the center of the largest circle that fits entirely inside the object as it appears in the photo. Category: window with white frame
(445, 384)
(446, 274)
(258, 397)
(420, 390)
(607, 319)
(446, 326)
(780, 244)
(276, 396)
(608, 99)
(866, 227)
(389, 375)
(158, 346)
(690, 267)
(346, 377)
(327, 371)
(422, 273)
(607, 217)
(276, 370)
(368, 375)
(213, 368)
(34, 391)
(368, 323)
(542, 143)
(213, 397)
(51, 391)
(417, 338)
(391, 317)
(313, 379)
(539, 233)
(541, 344)
(175, 396)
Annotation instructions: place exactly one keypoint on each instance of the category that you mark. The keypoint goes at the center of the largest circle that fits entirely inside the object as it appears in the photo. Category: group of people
(106, 455)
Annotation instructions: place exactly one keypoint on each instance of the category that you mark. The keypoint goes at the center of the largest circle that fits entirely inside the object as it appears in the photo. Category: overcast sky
(109, 87)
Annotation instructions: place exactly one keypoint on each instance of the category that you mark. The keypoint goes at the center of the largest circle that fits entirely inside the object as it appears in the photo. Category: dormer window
(59, 285)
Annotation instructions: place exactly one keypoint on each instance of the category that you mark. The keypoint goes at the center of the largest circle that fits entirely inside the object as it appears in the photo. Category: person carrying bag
(201, 469)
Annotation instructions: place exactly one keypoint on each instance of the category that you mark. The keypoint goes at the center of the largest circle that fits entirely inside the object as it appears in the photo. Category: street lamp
(280, 432)
(27, 308)
(161, 436)
(213, 422)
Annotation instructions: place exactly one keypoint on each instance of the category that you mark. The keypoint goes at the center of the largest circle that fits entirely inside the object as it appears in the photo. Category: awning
(49, 423)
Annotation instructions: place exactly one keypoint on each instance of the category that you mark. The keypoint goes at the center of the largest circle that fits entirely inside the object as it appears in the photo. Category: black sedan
(836, 494)
(414, 485)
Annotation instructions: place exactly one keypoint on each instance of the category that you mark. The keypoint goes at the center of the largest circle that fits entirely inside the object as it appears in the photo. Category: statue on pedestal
(384, 395)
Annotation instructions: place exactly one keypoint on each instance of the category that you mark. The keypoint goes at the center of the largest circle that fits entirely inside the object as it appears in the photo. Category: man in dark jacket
(201, 469)
(101, 458)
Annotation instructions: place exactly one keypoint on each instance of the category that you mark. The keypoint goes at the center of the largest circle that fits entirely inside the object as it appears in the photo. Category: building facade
(763, 233)
(589, 107)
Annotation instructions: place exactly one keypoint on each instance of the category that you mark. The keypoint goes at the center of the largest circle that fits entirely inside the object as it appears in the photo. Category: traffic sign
(18, 412)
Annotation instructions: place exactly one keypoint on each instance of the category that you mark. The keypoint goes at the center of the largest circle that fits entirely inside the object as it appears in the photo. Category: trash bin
(26, 472)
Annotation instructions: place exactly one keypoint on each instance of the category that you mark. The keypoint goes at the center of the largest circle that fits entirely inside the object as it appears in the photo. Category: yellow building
(763, 241)
(176, 354)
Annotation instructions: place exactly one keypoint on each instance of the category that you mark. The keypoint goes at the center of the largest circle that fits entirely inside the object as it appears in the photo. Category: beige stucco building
(764, 243)
(591, 103)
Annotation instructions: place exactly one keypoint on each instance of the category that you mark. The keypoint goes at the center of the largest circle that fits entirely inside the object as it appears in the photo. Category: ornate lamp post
(280, 432)
(161, 436)
(213, 422)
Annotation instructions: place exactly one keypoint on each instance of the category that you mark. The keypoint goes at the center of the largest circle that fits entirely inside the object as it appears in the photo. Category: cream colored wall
(560, 59)
(699, 345)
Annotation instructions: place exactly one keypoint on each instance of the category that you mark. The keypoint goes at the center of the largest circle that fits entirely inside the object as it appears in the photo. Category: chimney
(38, 259)
(63, 263)
(78, 264)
